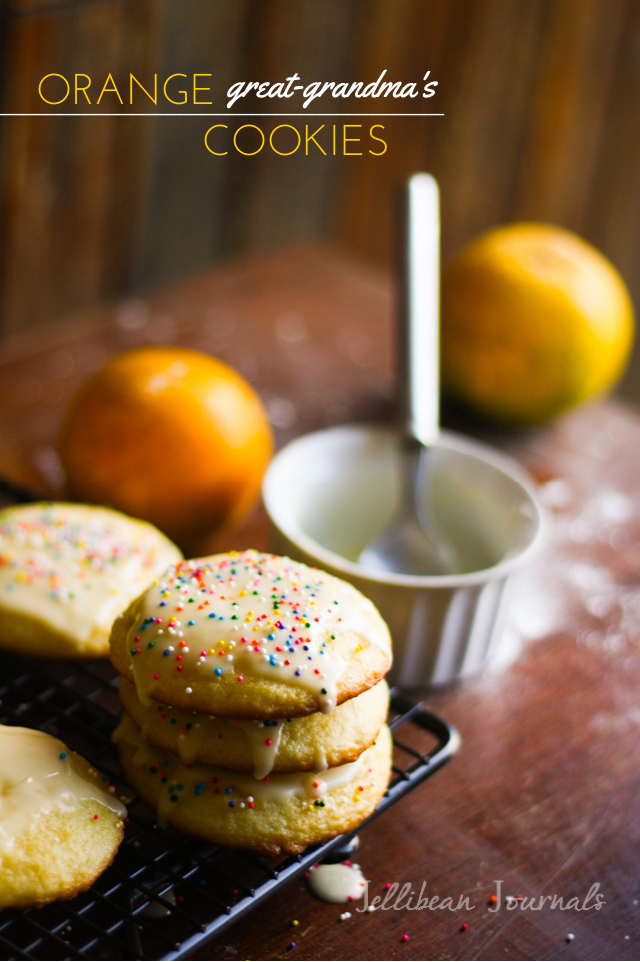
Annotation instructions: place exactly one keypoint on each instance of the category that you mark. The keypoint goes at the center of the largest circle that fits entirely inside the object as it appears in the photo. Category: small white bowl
(329, 493)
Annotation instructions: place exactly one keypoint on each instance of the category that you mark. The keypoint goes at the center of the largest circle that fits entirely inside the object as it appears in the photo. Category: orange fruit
(169, 435)
(534, 321)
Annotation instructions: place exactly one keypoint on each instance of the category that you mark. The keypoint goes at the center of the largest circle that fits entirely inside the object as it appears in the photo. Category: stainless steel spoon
(413, 544)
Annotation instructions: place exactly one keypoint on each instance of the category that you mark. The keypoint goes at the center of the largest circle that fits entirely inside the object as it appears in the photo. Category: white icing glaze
(248, 614)
(277, 787)
(264, 741)
(343, 882)
(188, 744)
(298, 785)
(76, 567)
(263, 738)
(37, 778)
(320, 759)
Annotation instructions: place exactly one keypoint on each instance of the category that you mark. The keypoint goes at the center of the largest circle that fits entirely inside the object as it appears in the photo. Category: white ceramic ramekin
(328, 493)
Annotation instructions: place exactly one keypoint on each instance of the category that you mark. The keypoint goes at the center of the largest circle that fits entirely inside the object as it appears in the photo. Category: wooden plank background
(541, 122)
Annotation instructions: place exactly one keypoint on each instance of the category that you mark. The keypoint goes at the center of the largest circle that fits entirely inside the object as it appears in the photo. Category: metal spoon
(412, 544)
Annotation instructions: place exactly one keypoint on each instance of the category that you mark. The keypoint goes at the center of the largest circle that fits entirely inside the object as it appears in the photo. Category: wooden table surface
(544, 793)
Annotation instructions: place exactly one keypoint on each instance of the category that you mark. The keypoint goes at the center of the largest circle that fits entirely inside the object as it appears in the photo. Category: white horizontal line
(228, 116)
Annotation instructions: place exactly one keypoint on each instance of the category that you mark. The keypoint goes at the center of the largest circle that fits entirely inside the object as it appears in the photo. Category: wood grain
(540, 122)
(73, 189)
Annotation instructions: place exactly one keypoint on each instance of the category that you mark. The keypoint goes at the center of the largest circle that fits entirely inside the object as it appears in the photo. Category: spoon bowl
(412, 543)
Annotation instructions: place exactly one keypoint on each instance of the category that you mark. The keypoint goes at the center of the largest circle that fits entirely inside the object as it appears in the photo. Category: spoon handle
(420, 347)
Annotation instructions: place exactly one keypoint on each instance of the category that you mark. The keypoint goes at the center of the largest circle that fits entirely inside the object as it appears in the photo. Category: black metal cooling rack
(165, 894)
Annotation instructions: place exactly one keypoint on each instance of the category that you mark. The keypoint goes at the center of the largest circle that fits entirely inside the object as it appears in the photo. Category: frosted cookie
(278, 815)
(307, 744)
(67, 570)
(59, 829)
(253, 636)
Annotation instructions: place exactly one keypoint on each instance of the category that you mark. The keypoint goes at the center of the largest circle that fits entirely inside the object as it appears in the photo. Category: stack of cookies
(255, 701)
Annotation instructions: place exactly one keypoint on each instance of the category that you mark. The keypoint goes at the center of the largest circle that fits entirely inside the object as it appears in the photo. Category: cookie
(249, 635)
(281, 815)
(59, 829)
(67, 570)
(306, 744)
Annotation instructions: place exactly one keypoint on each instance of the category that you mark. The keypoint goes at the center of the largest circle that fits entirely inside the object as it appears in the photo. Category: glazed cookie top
(251, 635)
(38, 776)
(76, 567)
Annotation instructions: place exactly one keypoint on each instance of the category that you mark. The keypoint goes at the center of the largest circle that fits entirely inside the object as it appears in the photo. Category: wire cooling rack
(165, 894)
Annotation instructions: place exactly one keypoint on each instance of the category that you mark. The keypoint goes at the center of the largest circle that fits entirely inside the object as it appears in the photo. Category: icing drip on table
(38, 778)
(343, 882)
(248, 615)
(76, 567)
